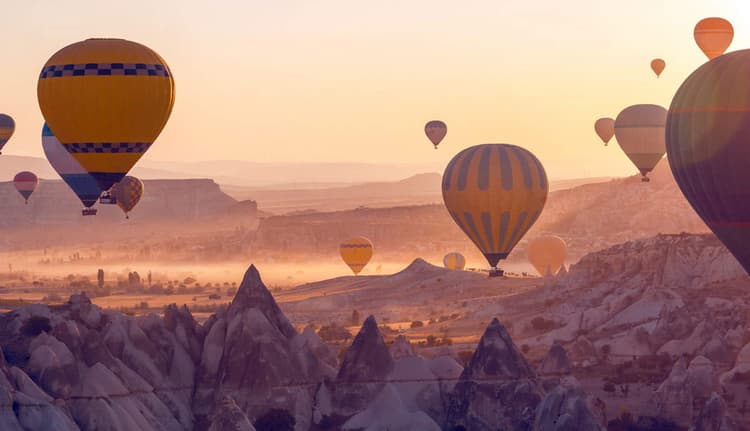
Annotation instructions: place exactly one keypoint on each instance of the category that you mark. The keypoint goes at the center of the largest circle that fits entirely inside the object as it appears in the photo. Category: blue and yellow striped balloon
(495, 193)
(82, 184)
(107, 101)
(7, 127)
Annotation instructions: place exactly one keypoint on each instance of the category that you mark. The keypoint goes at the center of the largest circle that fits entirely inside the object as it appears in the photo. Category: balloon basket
(495, 272)
(88, 211)
(645, 180)
(107, 199)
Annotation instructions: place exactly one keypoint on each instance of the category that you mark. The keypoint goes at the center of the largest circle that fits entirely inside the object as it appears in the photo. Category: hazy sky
(355, 80)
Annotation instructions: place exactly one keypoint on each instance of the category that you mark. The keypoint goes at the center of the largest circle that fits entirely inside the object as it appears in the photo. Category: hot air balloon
(707, 134)
(127, 193)
(25, 183)
(547, 254)
(605, 128)
(7, 127)
(658, 65)
(435, 131)
(82, 184)
(495, 193)
(640, 132)
(356, 252)
(107, 100)
(455, 261)
(713, 36)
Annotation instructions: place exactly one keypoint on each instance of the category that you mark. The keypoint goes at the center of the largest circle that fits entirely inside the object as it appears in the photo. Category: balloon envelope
(128, 193)
(713, 36)
(708, 131)
(7, 127)
(495, 193)
(640, 132)
(435, 131)
(82, 184)
(547, 254)
(25, 183)
(658, 65)
(107, 100)
(454, 261)
(356, 253)
(605, 128)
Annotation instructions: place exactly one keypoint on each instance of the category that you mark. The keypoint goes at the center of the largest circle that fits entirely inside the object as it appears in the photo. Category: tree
(275, 420)
(417, 324)
(355, 318)
(606, 350)
(100, 278)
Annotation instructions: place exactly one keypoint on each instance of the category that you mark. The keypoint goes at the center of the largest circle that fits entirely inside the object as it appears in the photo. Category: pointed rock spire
(252, 293)
(497, 356)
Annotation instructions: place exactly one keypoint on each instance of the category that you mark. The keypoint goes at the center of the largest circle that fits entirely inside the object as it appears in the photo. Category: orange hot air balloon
(356, 253)
(605, 128)
(547, 254)
(658, 65)
(713, 36)
(128, 193)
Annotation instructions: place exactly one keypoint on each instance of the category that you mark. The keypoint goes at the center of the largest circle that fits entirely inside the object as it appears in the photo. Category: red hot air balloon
(25, 183)
(708, 147)
(435, 131)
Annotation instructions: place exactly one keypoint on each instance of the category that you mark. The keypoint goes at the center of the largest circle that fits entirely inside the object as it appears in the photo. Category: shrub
(416, 324)
(275, 420)
(35, 325)
(541, 324)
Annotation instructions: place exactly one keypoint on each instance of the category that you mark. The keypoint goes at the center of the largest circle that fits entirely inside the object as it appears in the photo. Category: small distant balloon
(605, 128)
(547, 254)
(7, 127)
(713, 36)
(658, 65)
(640, 132)
(455, 261)
(25, 183)
(356, 253)
(435, 131)
(128, 193)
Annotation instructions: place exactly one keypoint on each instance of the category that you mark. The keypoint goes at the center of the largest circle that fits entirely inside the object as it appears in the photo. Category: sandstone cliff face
(54, 203)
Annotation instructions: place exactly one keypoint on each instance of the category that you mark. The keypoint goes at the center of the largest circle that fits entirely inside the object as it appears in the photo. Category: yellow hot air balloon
(127, 193)
(658, 65)
(495, 193)
(713, 36)
(547, 254)
(107, 101)
(356, 252)
(455, 261)
(640, 132)
(605, 129)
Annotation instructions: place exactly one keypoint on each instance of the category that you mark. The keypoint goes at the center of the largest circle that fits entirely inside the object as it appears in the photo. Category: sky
(355, 81)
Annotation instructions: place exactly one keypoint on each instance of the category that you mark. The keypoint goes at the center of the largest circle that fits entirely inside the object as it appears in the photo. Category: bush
(465, 356)
(334, 332)
(35, 325)
(609, 387)
(416, 324)
(275, 420)
(541, 324)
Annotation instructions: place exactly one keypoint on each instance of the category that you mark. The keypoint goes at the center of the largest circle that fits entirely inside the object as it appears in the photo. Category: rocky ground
(650, 334)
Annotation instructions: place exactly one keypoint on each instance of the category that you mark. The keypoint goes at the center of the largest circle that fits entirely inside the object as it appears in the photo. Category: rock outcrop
(497, 390)
(252, 354)
(567, 408)
(556, 362)
(713, 417)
